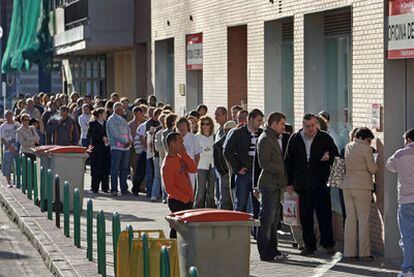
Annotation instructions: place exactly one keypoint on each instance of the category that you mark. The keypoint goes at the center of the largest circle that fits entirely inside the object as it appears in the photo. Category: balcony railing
(76, 13)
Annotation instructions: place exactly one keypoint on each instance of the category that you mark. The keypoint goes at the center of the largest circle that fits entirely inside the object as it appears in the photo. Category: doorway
(237, 66)
(164, 71)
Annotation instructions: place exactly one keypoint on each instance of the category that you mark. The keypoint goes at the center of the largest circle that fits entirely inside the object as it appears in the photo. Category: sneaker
(307, 251)
(135, 194)
(114, 193)
(9, 186)
(280, 255)
(153, 199)
(330, 250)
(164, 201)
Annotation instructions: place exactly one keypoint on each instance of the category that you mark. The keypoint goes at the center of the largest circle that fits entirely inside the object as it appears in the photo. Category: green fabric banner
(29, 40)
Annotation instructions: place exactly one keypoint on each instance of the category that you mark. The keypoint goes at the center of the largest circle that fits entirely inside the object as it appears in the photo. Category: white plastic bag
(291, 209)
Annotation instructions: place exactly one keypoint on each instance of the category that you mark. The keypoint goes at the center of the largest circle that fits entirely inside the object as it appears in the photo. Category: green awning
(29, 40)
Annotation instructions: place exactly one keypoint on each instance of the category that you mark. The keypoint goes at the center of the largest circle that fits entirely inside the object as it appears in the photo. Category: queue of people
(244, 164)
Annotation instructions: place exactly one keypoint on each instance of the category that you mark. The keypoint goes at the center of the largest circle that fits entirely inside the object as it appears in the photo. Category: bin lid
(66, 150)
(43, 148)
(210, 215)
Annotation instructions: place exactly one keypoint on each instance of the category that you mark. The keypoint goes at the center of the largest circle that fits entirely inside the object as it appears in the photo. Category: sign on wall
(195, 52)
(401, 29)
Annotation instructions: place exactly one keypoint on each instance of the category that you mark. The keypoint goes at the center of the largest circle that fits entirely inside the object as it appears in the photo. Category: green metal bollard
(14, 172)
(49, 190)
(164, 262)
(193, 272)
(76, 217)
(24, 170)
(18, 169)
(42, 189)
(145, 252)
(130, 236)
(66, 216)
(116, 230)
(101, 243)
(29, 171)
(35, 188)
(89, 230)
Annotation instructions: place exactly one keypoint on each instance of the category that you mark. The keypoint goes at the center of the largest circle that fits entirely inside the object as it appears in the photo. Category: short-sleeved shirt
(8, 132)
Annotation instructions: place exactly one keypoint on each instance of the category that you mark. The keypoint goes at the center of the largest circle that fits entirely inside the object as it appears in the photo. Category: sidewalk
(62, 257)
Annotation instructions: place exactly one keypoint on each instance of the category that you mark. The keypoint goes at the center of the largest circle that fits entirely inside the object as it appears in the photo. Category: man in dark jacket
(272, 181)
(240, 153)
(309, 156)
(65, 130)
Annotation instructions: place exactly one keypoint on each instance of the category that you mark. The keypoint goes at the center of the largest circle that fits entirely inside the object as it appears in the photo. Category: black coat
(307, 175)
(95, 134)
(237, 149)
(219, 161)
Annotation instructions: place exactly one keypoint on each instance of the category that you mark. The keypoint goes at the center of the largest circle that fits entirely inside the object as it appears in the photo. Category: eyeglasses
(205, 124)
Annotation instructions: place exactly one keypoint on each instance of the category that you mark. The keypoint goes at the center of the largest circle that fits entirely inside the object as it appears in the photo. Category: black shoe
(330, 250)
(280, 255)
(105, 190)
(307, 251)
(135, 194)
(127, 192)
(266, 259)
(295, 245)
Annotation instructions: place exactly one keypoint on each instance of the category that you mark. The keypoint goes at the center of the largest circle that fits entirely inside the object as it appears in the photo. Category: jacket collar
(271, 133)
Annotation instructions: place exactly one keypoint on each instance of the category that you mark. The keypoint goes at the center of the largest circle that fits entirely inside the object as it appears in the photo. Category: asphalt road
(17, 255)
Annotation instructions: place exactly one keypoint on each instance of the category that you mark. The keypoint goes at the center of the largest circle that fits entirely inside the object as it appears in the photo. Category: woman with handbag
(357, 187)
(27, 137)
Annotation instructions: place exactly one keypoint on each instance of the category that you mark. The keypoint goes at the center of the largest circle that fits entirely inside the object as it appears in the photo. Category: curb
(39, 230)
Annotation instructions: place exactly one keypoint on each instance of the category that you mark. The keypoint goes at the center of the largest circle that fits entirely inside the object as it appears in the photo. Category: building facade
(104, 46)
(294, 56)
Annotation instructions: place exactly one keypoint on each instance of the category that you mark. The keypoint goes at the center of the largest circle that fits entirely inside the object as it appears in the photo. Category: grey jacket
(273, 174)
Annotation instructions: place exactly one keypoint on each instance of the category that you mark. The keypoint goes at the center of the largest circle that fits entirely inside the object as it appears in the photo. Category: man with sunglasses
(309, 155)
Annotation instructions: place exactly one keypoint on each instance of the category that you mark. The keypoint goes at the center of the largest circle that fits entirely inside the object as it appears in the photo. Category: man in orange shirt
(175, 169)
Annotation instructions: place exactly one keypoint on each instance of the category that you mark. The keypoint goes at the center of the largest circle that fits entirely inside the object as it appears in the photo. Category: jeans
(406, 225)
(149, 176)
(269, 219)
(318, 200)
(6, 167)
(119, 167)
(156, 186)
(205, 188)
(139, 172)
(243, 190)
(85, 142)
(224, 202)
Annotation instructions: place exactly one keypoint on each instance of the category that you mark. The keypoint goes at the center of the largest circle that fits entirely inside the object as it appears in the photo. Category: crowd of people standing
(235, 160)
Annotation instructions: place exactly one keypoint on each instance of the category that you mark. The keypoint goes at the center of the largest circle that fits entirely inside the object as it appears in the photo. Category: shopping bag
(291, 209)
(337, 175)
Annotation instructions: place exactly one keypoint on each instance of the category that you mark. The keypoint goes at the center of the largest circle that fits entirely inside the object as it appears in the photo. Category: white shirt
(9, 134)
(139, 148)
(206, 156)
(192, 145)
(83, 121)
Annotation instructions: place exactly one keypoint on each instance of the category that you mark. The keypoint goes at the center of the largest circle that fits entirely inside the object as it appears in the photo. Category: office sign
(195, 52)
(401, 29)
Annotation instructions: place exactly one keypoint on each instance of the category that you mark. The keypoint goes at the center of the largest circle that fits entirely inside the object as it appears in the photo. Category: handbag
(337, 175)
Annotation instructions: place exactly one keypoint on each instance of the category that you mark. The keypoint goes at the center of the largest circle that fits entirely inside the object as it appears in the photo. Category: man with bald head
(120, 140)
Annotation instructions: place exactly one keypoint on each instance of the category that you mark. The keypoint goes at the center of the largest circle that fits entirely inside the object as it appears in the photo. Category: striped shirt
(253, 142)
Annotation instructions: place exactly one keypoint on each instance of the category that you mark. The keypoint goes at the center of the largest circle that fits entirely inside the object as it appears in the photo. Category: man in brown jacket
(272, 181)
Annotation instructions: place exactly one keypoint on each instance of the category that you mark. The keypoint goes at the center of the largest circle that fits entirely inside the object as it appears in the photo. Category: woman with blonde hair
(206, 178)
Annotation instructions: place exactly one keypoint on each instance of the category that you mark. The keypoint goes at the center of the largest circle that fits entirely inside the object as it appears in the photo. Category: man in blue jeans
(120, 140)
(402, 163)
(240, 153)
